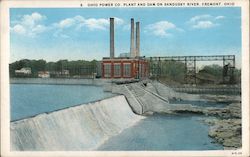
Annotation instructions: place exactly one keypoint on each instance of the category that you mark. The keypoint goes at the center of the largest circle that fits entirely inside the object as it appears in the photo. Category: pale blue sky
(76, 34)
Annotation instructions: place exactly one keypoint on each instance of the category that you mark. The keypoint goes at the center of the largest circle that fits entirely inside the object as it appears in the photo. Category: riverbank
(226, 129)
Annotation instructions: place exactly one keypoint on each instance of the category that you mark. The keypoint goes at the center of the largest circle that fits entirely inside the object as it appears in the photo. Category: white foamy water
(83, 127)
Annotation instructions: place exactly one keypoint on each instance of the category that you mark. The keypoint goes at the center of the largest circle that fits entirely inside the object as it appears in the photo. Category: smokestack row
(134, 45)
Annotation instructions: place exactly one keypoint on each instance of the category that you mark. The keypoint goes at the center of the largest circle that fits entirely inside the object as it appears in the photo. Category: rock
(227, 132)
(222, 98)
(232, 142)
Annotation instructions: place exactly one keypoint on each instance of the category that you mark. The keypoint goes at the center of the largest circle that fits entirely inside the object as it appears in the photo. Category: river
(164, 132)
(31, 99)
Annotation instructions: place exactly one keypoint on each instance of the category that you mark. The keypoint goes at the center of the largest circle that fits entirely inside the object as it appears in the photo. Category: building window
(117, 70)
(107, 70)
(127, 69)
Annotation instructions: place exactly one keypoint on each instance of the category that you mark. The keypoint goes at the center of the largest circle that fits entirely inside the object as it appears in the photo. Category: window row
(117, 70)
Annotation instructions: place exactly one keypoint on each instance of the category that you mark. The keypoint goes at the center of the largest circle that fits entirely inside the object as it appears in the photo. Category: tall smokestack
(132, 40)
(137, 30)
(112, 38)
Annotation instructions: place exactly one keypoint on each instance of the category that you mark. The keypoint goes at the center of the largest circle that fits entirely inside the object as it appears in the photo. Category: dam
(96, 125)
(129, 117)
(83, 127)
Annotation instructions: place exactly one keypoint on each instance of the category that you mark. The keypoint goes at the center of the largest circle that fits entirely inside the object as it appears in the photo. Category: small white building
(65, 72)
(23, 71)
(43, 74)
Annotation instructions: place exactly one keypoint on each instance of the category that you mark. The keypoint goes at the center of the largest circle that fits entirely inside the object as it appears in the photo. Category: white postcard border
(5, 108)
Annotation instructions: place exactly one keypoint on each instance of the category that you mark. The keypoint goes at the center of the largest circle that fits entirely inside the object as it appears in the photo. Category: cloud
(199, 17)
(204, 21)
(161, 28)
(78, 23)
(39, 29)
(19, 29)
(219, 17)
(119, 21)
(66, 23)
(91, 23)
(31, 20)
(29, 25)
(96, 24)
(204, 25)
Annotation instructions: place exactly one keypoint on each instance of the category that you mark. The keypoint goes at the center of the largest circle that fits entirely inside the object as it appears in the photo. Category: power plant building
(128, 65)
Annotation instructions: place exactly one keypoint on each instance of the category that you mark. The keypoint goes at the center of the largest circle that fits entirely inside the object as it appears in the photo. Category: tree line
(170, 71)
(74, 67)
(173, 72)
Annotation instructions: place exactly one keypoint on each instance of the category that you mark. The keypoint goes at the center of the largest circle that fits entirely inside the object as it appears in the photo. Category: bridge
(190, 66)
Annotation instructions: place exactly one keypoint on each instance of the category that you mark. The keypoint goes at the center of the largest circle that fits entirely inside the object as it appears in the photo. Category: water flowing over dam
(83, 127)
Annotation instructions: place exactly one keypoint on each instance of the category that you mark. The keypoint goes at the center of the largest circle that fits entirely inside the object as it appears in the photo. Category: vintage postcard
(124, 78)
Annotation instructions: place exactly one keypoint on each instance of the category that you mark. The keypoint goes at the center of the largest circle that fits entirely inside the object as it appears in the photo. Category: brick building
(131, 66)
(124, 68)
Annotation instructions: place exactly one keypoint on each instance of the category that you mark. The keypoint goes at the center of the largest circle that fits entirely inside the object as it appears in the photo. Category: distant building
(43, 74)
(128, 65)
(65, 72)
(23, 71)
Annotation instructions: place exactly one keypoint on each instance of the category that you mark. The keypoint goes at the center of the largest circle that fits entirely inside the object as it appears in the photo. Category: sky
(83, 33)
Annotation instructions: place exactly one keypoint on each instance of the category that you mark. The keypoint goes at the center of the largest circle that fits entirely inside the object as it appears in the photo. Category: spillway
(83, 127)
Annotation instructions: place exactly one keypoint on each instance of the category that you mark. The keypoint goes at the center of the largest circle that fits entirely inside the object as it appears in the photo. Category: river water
(164, 132)
(156, 132)
(31, 99)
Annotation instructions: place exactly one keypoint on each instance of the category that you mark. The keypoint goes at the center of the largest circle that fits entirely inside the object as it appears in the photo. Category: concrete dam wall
(83, 127)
